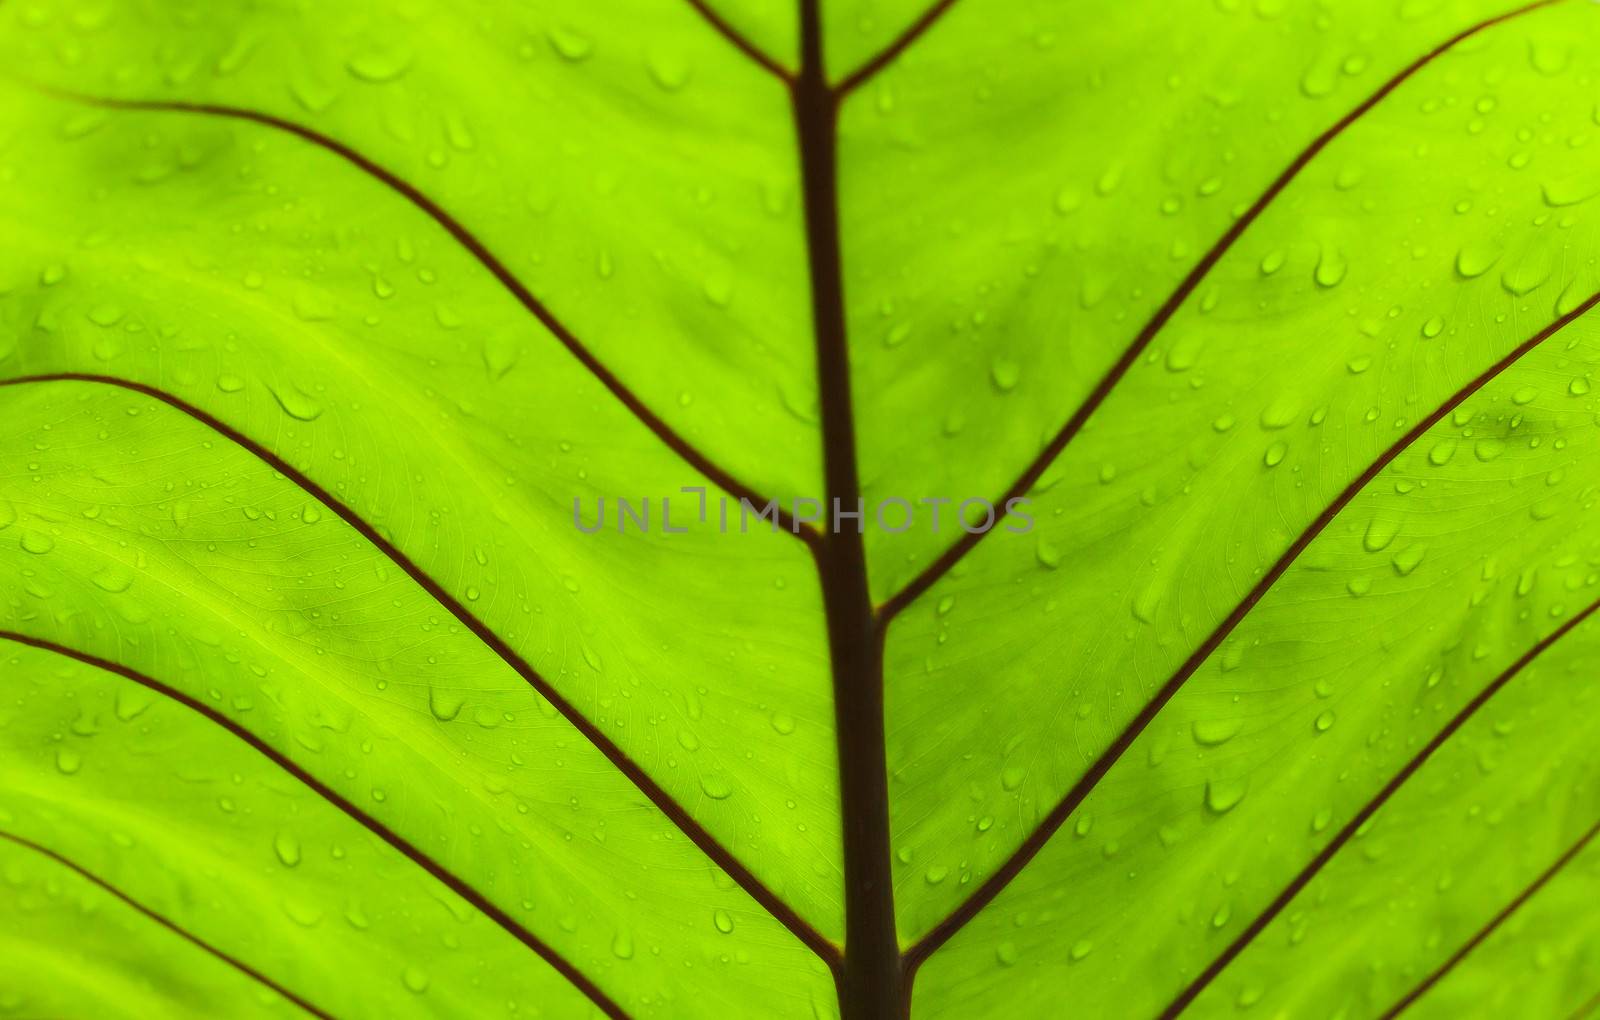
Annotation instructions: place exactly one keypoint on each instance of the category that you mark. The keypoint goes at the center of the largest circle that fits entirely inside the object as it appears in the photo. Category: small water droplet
(1223, 795)
(380, 65)
(287, 848)
(1212, 732)
(570, 45)
(1005, 374)
(445, 705)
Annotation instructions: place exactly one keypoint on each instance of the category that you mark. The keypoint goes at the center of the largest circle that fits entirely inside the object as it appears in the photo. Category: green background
(1347, 485)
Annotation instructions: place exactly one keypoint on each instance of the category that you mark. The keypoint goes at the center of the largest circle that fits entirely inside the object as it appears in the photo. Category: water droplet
(723, 921)
(380, 65)
(287, 849)
(1212, 732)
(668, 70)
(1379, 534)
(622, 946)
(445, 705)
(1006, 953)
(1324, 722)
(131, 702)
(716, 786)
(1526, 278)
(1331, 267)
(306, 915)
(68, 761)
(1048, 555)
(415, 979)
(1080, 949)
(1407, 559)
(1475, 260)
(569, 45)
(36, 542)
(296, 403)
(1223, 795)
(783, 722)
(1005, 375)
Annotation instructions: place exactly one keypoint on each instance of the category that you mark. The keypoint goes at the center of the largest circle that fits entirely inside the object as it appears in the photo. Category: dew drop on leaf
(36, 542)
(445, 705)
(1223, 795)
(1005, 374)
(296, 403)
(669, 70)
(1048, 555)
(287, 847)
(1475, 260)
(1331, 267)
(569, 44)
(1211, 732)
(378, 65)
(1407, 559)
(1379, 534)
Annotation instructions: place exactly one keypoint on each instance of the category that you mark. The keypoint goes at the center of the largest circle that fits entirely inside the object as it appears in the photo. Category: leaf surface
(321, 327)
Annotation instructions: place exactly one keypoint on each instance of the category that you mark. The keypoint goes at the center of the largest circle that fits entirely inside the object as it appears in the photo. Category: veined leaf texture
(430, 578)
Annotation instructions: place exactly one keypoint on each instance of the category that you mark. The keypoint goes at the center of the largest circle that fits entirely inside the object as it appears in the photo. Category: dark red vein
(1494, 922)
(1102, 390)
(708, 844)
(479, 251)
(195, 940)
(885, 56)
(1036, 840)
(1361, 817)
(869, 982)
(446, 877)
(739, 40)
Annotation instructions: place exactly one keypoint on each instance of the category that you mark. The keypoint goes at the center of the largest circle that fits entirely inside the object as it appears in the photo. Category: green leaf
(325, 329)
